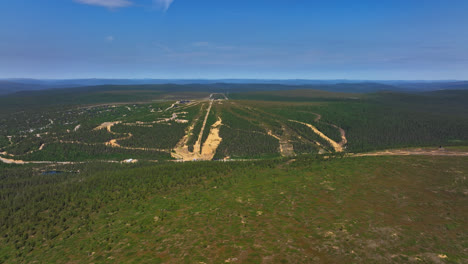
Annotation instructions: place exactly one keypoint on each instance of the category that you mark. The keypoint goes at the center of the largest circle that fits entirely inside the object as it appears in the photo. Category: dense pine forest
(250, 128)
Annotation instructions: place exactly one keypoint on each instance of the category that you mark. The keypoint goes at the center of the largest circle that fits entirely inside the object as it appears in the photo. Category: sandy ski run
(337, 147)
(182, 153)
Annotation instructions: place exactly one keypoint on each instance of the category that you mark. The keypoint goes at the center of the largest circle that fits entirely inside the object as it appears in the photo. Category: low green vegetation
(160, 136)
(243, 144)
(83, 152)
(212, 118)
(305, 133)
(244, 138)
(367, 210)
(315, 206)
(193, 137)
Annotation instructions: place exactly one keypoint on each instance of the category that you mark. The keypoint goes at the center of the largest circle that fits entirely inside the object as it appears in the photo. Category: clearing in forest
(107, 125)
(207, 152)
(344, 140)
(337, 147)
(197, 146)
(212, 142)
(285, 147)
(416, 151)
(114, 142)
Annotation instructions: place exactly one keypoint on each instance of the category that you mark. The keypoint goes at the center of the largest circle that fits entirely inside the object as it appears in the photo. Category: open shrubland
(367, 210)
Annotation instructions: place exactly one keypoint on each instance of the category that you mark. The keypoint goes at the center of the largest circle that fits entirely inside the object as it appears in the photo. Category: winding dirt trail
(174, 117)
(344, 140)
(22, 162)
(337, 147)
(286, 149)
(114, 142)
(411, 152)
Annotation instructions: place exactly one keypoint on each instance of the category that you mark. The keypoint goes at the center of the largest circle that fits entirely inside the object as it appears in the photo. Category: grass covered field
(309, 209)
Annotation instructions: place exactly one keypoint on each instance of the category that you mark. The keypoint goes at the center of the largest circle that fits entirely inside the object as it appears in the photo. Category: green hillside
(280, 177)
(366, 210)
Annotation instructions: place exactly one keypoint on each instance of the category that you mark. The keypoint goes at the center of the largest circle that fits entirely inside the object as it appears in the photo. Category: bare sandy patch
(6, 154)
(270, 133)
(212, 142)
(337, 147)
(344, 140)
(22, 162)
(107, 125)
(197, 146)
(408, 152)
(286, 148)
(181, 151)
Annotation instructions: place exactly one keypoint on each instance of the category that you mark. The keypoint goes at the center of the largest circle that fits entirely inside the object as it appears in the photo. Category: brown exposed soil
(286, 148)
(407, 152)
(114, 142)
(344, 140)
(108, 126)
(337, 147)
(197, 146)
(207, 152)
(212, 142)
(21, 162)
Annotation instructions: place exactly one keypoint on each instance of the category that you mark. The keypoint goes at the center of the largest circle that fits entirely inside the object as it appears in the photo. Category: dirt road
(344, 140)
(197, 146)
(408, 152)
(337, 147)
(21, 162)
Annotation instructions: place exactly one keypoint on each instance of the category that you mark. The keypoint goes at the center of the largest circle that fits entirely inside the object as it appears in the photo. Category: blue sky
(275, 39)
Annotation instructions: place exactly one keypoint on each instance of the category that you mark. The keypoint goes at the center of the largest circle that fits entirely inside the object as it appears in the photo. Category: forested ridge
(249, 129)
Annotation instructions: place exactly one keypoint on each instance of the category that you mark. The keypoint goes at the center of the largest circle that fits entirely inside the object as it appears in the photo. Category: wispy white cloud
(110, 38)
(163, 4)
(106, 3)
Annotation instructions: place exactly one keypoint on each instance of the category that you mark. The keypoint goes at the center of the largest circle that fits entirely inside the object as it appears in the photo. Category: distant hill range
(9, 86)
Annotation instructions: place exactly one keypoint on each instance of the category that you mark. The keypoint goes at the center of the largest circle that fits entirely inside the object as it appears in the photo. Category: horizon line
(221, 79)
